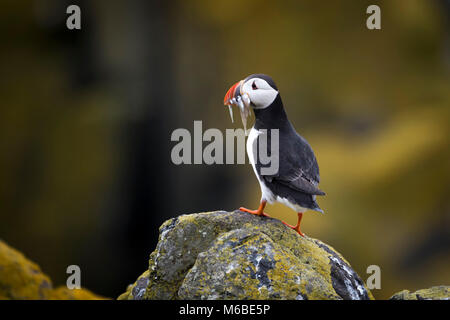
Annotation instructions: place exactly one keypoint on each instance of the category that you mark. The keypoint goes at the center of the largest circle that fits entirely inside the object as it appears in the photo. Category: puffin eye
(254, 87)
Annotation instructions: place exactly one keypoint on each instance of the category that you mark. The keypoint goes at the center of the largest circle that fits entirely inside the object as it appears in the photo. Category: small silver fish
(243, 103)
(244, 112)
(231, 113)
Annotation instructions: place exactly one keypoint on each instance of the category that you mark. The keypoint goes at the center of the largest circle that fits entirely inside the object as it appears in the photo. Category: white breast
(266, 193)
(251, 140)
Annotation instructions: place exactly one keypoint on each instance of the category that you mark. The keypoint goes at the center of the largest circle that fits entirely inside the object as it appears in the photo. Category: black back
(298, 174)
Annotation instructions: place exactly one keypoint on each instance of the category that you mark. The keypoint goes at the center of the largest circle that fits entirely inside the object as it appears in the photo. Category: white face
(261, 94)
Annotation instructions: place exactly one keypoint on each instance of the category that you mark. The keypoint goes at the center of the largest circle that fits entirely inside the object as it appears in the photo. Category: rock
(22, 279)
(235, 255)
(433, 293)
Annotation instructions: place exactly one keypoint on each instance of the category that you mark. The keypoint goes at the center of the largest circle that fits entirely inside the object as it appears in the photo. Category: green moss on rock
(433, 293)
(234, 255)
(22, 279)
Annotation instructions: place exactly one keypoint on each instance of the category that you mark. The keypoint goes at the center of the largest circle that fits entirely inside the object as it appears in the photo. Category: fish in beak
(235, 97)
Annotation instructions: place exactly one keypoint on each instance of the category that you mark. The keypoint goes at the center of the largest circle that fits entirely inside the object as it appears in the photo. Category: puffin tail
(318, 210)
(315, 206)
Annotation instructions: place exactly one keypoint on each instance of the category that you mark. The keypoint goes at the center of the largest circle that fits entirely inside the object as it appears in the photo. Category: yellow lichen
(22, 279)
(433, 293)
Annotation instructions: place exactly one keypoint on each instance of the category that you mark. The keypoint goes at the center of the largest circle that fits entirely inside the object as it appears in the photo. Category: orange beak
(231, 93)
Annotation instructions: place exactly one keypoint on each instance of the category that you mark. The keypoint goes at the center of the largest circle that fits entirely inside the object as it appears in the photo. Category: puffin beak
(233, 92)
(231, 97)
(234, 97)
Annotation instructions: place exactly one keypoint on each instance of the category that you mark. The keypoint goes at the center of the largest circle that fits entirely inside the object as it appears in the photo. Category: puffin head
(257, 91)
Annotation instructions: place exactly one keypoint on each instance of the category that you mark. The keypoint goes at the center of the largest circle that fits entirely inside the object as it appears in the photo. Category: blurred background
(86, 116)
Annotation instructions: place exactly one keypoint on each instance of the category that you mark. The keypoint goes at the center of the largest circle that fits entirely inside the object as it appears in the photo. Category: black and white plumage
(296, 182)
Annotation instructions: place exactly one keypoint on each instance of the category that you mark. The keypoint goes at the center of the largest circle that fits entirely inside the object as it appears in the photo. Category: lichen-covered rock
(433, 293)
(64, 293)
(235, 255)
(22, 279)
(137, 290)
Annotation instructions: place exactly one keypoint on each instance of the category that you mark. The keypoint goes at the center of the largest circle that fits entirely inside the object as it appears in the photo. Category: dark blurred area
(86, 119)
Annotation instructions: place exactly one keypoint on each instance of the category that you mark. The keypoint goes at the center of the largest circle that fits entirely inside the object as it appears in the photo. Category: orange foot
(257, 212)
(297, 227)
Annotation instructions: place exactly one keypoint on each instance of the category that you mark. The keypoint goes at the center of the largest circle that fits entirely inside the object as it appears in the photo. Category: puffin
(295, 183)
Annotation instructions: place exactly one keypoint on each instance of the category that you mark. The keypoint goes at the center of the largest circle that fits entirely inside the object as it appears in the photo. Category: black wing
(298, 168)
